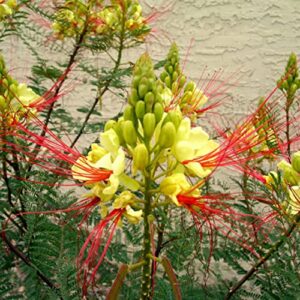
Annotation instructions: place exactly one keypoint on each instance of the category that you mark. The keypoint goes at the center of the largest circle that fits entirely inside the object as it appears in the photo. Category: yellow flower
(192, 143)
(293, 206)
(174, 185)
(126, 200)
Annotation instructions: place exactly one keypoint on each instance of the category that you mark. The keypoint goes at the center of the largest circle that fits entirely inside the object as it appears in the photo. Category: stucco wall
(250, 37)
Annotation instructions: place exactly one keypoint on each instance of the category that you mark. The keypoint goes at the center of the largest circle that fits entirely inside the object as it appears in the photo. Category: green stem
(106, 85)
(263, 260)
(146, 273)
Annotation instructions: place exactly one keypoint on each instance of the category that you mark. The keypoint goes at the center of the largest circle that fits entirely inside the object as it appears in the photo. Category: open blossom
(109, 156)
(191, 143)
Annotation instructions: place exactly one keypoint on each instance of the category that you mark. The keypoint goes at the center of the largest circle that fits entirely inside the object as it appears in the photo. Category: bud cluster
(290, 81)
(186, 95)
(16, 98)
(172, 76)
(7, 8)
(98, 18)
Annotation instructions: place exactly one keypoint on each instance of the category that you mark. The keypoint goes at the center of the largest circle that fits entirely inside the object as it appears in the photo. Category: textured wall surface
(250, 38)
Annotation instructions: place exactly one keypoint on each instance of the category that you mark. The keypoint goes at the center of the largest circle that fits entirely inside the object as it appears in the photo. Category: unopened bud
(118, 129)
(149, 123)
(158, 111)
(163, 75)
(2, 103)
(167, 135)
(133, 98)
(149, 101)
(129, 113)
(175, 87)
(168, 81)
(190, 87)
(293, 89)
(110, 124)
(175, 118)
(296, 161)
(174, 76)
(140, 157)
(182, 81)
(143, 87)
(140, 109)
(129, 133)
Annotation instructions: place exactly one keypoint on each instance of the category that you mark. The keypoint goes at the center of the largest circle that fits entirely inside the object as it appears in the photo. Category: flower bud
(175, 87)
(149, 101)
(110, 124)
(168, 81)
(190, 87)
(291, 176)
(143, 87)
(133, 98)
(2, 103)
(140, 157)
(136, 81)
(174, 76)
(293, 89)
(182, 81)
(167, 135)
(158, 111)
(163, 75)
(175, 118)
(118, 129)
(149, 123)
(129, 133)
(140, 109)
(296, 161)
(129, 113)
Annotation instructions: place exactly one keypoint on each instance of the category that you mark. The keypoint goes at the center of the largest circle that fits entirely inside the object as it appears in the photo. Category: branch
(28, 262)
(255, 268)
(105, 88)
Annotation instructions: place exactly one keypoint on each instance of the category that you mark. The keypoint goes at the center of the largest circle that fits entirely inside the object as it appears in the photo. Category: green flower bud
(136, 81)
(182, 81)
(167, 135)
(168, 82)
(158, 111)
(284, 85)
(190, 87)
(140, 109)
(290, 79)
(170, 70)
(118, 129)
(110, 124)
(143, 89)
(149, 101)
(149, 124)
(174, 76)
(296, 161)
(163, 75)
(293, 88)
(175, 118)
(175, 87)
(292, 177)
(133, 98)
(129, 113)
(140, 157)
(129, 133)
(2, 103)
(292, 60)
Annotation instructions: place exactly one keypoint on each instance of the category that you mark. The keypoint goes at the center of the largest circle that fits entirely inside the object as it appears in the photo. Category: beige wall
(250, 37)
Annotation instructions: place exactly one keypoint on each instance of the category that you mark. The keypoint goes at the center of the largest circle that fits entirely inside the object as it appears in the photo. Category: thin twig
(262, 261)
(28, 262)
